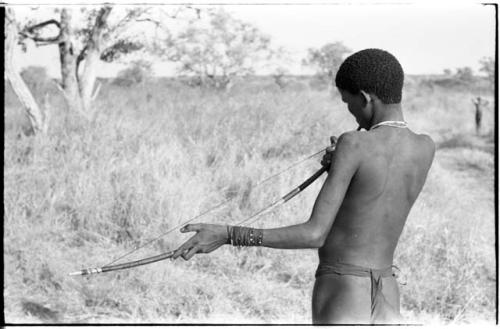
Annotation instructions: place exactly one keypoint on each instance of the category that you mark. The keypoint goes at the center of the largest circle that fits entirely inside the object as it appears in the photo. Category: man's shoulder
(427, 145)
(350, 140)
(362, 141)
(353, 144)
(355, 139)
(427, 141)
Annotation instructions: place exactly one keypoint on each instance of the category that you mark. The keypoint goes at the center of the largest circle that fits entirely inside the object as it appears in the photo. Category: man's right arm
(313, 232)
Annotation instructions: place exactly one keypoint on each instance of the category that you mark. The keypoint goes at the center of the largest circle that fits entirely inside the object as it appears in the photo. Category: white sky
(426, 39)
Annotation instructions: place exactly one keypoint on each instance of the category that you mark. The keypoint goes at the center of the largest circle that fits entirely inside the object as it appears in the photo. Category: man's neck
(386, 112)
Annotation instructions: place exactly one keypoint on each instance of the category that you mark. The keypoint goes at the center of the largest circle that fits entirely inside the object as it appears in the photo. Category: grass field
(159, 153)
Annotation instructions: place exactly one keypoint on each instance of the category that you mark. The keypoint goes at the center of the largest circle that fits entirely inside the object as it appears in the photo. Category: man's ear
(367, 96)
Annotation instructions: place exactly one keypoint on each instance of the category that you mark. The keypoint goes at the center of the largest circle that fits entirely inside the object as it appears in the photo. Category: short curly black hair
(373, 71)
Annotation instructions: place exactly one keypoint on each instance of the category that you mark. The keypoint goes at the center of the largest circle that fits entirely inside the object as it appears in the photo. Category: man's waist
(371, 255)
(341, 268)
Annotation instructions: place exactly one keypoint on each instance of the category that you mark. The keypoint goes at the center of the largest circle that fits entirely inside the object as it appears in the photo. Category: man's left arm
(312, 233)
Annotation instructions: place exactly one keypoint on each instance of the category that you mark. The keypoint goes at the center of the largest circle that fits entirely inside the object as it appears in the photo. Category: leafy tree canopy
(217, 48)
(327, 59)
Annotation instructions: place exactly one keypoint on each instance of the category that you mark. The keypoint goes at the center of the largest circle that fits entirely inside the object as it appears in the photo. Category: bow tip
(75, 273)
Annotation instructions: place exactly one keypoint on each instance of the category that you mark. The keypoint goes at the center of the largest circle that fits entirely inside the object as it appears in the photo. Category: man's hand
(330, 152)
(208, 237)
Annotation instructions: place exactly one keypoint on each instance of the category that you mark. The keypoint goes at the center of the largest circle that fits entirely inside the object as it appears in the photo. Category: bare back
(393, 169)
(393, 166)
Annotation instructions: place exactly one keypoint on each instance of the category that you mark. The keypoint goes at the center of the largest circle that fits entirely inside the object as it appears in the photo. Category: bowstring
(226, 201)
(256, 216)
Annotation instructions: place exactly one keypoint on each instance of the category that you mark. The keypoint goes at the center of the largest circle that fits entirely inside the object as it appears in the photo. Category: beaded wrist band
(245, 236)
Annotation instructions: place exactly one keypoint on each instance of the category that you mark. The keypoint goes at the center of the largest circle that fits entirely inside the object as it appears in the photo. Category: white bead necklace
(396, 124)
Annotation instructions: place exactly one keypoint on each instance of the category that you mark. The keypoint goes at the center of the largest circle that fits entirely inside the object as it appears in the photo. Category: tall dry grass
(158, 154)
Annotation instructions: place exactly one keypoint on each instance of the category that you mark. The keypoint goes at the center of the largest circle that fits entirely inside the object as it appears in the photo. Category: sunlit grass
(91, 191)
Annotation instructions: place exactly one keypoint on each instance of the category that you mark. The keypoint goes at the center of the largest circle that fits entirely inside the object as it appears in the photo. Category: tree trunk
(88, 79)
(92, 57)
(37, 119)
(68, 60)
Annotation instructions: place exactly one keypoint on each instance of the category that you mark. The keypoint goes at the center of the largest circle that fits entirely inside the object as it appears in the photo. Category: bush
(137, 73)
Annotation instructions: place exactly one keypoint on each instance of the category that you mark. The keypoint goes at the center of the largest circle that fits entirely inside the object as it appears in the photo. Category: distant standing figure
(478, 102)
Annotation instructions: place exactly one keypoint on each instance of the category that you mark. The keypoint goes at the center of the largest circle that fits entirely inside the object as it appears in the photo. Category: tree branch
(80, 58)
(127, 18)
(40, 25)
(31, 32)
(174, 15)
(155, 22)
(98, 28)
(96, 92)
(9, 15)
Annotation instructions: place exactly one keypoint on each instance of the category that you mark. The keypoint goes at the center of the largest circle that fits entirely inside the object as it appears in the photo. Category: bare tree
(81, 48)
(38, 120)
(78, 66)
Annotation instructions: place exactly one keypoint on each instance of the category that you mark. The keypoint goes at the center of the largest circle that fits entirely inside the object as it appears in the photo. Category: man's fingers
(191, 228)
(191, 253)
(177, 253)
(185, 246)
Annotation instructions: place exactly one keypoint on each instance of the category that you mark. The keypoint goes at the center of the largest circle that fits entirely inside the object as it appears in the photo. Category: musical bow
(166, 255)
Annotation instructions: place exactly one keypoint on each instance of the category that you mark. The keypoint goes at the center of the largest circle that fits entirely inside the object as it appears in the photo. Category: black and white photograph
(253, 163)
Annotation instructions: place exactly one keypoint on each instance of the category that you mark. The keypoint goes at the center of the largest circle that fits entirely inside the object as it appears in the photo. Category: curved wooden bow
(149, 260)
